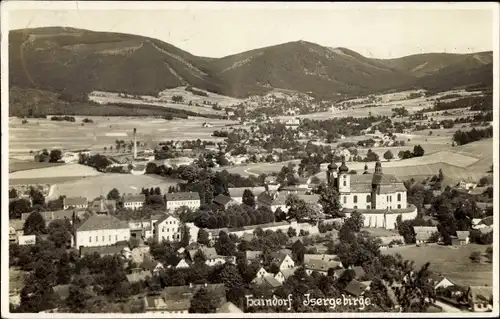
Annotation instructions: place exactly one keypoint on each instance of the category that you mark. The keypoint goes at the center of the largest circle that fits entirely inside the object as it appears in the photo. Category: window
(355, 199)
(109, 237)
(96, 239)
(116, 237)
(355, 207)
(90, 239)
(367, 206)
(168, 230)
(387, 198)
(399, 197)
(162, 229)
(399, 206)
(102, 238)
(345, 200)
(163, 237)
(345, 183)
(368, 198)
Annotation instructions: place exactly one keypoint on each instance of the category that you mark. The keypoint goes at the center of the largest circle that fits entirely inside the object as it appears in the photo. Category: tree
(441, 175)
(37, 198)
(114, 194)
(291, 232)
(18, 207)
(12, 193)
(34, 224)
(329, 200)
(185, 236)
(388, 155)
(203, 302)
(298, 251)
(230, 276)
(224, 245)
(418, 151)
(55, 156)
(248, 198)
(203, 237)
(60, 232)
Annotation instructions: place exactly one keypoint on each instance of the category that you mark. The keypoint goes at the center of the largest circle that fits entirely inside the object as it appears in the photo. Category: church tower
(331, 175)
(344, 179)
(376, 180)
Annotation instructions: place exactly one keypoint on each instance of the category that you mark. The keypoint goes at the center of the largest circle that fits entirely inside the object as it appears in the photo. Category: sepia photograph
(230, 159)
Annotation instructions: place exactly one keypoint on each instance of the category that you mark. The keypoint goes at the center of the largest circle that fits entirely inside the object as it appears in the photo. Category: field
(19, 165)
(42, 133)
(453, 262)
(95, 186)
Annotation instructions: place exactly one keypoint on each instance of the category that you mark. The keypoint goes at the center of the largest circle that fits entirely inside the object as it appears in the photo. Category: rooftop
(182, 196)
(236, 192)
(74, 201)
(99, 222)
(134, 198)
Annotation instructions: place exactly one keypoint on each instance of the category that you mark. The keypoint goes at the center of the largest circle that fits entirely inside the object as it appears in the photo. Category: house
(424, 233)
(252, 255)
(177, 299)
(236, 193)
(229, 307)
(152, 265)
(138, 254)
(284, 261)
(134, 201)
(487, 221)
(486, 230)
(468, 185)
(273, 201)
(356, 288)
(50, 216)
(139, 276)
(268, 280)
(208, 252)
(271, 183)
(224, 201)
(75, 202)
(463, 237)
(26, 240)
(220, 260)
(284, 274)
(102, 230)
(261, 273)
(440, 281)
(62, 291)
(176, 200)
(168, 228)
(182, 264)
(359, 272)
(321, 266)
(480, 298)
(16, 227)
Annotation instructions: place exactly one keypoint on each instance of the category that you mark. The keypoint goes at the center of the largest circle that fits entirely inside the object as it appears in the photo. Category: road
(447, 307)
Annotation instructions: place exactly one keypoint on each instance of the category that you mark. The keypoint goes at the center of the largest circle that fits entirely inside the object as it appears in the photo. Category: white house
(182, 264)
(261, 273)
(75, 202)
(168, 228)
(219, 260)
(467, 185)
(284, 261)
(176, 200)
(27, 240)
(134, 201)
(236, 193)
(102, 230)
(284, 274)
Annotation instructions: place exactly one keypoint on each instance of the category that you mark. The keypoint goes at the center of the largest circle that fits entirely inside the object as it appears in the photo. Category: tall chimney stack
(135, 143)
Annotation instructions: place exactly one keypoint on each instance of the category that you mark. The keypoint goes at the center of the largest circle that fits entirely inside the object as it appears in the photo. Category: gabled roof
(100, 222)
(229, 307)
(488, 221)
(134, 198)
(17, 224)
(172, 197)
(165, 217)
(138, 276)
(288, 272)
(268, 198)
(58, 214)
(253, 254)
(222, 199)
(62, 291)
(236, 192)
(268, 280)
(425, 229)
(209, 252)
(74, 201)
(359, 271)
(321, 265)
(355, 288)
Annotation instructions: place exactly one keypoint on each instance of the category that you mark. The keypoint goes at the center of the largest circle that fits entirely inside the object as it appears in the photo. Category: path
(447, 308)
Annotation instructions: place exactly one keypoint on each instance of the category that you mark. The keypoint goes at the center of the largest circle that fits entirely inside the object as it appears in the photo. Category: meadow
(450, 261)
(95, 186)
(103, 132)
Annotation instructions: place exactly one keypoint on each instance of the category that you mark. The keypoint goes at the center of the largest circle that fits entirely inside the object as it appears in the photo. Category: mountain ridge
(78, 61)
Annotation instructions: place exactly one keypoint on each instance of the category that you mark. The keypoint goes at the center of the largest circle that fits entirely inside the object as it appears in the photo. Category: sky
(219, 31)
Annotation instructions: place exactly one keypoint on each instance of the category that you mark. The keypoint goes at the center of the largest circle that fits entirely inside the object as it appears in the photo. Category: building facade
(134, 201)
(176, 200)
(168, 228)
(75, 202)
(102, 230)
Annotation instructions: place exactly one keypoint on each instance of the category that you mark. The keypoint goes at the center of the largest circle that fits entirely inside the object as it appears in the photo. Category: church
(379, 197)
